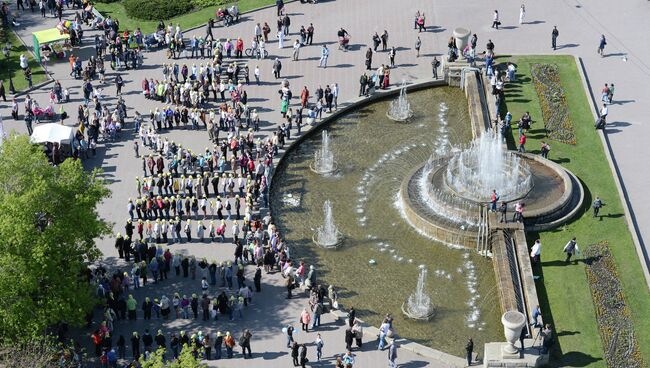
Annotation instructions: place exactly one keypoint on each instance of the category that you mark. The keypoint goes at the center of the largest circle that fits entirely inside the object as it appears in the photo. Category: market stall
(51, 41)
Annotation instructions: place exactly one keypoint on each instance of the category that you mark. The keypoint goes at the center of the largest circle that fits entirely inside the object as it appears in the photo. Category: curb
(644, 258)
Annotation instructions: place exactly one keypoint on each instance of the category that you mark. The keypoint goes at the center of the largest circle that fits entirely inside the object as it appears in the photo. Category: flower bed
(552, 99)
(612, 313)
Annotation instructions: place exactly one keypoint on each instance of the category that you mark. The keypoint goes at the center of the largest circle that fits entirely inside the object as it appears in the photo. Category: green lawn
(189, 20)
(11, 67)
(562, 287)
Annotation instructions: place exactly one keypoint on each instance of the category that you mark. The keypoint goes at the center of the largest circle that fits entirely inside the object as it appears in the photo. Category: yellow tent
(47, 36)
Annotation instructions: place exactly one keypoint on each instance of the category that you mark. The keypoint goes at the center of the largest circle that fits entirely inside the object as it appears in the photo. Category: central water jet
(418, 305)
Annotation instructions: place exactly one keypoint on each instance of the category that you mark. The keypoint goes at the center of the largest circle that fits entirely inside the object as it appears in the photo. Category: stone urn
(462, 36)
(513, 322)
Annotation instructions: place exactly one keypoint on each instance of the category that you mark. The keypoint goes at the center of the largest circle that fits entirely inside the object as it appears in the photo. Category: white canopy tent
(53, 132)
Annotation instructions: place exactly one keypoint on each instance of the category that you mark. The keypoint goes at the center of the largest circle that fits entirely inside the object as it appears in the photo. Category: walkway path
(580, 27)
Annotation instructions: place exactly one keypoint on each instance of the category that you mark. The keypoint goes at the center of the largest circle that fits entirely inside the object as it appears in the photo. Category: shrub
(552, 100)
(612, 313)
(156, 9)
(107, 1)
(208, 3)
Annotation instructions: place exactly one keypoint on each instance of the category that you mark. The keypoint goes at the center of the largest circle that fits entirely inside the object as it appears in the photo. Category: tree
(48, 227)
(185, 360)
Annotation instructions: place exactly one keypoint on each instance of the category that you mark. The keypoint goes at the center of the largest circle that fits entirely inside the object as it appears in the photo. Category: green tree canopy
(48, 227)
(185, 360)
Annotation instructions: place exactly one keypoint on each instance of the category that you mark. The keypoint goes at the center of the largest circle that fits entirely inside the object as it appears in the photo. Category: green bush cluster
(156, 9)
(107, 1)
(208, 3)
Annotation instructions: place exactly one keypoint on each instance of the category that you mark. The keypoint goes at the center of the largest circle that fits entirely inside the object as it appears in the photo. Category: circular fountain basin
(445, 215)
(323, 172)
(398, 118)
(420, 317)
(339, 241)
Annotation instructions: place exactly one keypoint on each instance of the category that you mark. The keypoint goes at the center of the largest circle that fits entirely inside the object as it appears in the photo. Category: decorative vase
(462, 36)
(513, 322)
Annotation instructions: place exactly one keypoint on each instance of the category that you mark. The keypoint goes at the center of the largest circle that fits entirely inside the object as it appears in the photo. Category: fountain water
(400, 108)
(328, 235)
(324, 157)
(418, 305)
(486, 165)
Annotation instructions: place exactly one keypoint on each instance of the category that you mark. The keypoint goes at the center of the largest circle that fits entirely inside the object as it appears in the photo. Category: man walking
(570, 249)
(277, 67)
(554, 35)
(495, 20)
(324, 54)
(296, 50)
(597, 205)
(435, 63)
(363, 81)
(601, 45)
(392, 355)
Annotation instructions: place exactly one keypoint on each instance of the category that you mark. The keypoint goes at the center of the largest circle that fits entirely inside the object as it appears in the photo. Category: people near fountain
(571, 248)
(392, 355)
(524, 123)
(357, 331)
(536, 251)
(384, 329)
(522, 143)
(391, 56)
(545, 149)
(502, 210)
(435, 64)
(597, 205)
(469, 350)
(518, 215)
(494, 198)
(386, 80)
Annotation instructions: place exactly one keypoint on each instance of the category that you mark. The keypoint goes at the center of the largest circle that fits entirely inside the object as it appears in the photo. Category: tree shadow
(578, 359)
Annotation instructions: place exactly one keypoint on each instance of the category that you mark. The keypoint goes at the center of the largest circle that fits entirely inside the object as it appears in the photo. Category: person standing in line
(495, 20)
(324, 54)
(536, 251)
(554, 36)
(601, 46)
(435, 63)
(319, 347)
(570, 249)
(469, 349)
(418, 44)
(597, 205)
(392, 355)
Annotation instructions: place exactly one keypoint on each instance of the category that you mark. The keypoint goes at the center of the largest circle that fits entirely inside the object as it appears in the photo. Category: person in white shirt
(495, 20)
(536, 251)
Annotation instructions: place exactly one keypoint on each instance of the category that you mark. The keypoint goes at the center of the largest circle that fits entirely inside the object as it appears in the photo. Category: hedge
(156, 9)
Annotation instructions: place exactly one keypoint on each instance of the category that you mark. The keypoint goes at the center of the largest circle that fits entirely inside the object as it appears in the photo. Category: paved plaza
(580, 25)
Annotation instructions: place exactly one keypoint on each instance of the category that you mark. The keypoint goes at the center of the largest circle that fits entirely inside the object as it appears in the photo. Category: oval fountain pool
(375, 266)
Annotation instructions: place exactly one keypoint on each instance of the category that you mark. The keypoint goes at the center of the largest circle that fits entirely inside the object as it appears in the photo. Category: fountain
(486, 165)
(327, 236)
(324, 157)
(418, 305)
(400, 108)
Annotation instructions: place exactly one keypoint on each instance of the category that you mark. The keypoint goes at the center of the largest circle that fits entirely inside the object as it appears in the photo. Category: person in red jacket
(239, 48)
(522, 143)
